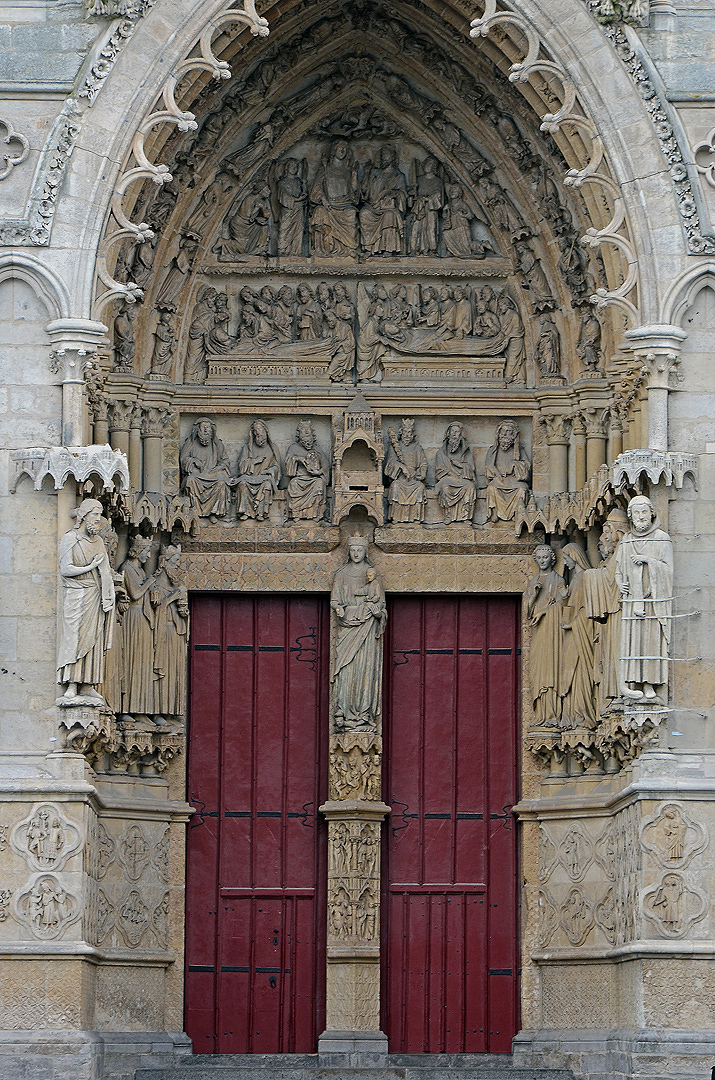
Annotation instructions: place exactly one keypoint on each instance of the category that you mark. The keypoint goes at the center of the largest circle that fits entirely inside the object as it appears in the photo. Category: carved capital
(596, 421)
(661, 369)
(578, 424)
(121, 414)
(74, 343)
(557, 428)
(155, 421)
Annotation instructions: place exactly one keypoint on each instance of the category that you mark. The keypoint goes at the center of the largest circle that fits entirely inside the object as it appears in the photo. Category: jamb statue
(87, 607)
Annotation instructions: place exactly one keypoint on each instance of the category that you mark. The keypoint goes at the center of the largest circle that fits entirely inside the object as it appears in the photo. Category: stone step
(305, 1067)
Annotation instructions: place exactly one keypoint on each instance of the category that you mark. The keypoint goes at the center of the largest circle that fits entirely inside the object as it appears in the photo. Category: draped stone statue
(508, 471)
(170, 603)
(309, 470)
(426, 202)
(644, 575)
(111, 688)
(603, 605)
(358, 601)
(406, 466)
(205, 471)
(291, 199)
(259, 471)
(577, 683)
(138, 632)
(544, 597)
(334, 195)
(456, 486)
(382, 218)
(86, 615)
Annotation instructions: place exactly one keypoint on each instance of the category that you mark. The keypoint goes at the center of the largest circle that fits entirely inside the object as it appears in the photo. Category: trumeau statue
(358, 601)
(309, 471)
(87, 607)
(205, 471)
(259, 472)
(644, 575)
(508, 471)
(406, 467)
(456, 486)
(543, 598)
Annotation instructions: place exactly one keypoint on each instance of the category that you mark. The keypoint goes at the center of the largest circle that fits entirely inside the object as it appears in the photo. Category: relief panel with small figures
(450, 941)
(256, 856)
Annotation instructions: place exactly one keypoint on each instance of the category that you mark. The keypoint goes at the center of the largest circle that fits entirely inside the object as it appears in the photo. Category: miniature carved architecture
(356, 518)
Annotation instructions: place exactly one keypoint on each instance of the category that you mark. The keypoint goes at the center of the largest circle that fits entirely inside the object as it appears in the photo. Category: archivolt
(514, 46)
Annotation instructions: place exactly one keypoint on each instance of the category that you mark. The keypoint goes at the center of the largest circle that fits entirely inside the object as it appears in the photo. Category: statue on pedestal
(644, 575)
(205, 471)
(86, 606)
(544, 598)
(358, 600)
(508, 470)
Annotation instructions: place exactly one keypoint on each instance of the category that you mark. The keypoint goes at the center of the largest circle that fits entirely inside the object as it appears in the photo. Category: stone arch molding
(684, 291)
(602, 167)
(48, 286)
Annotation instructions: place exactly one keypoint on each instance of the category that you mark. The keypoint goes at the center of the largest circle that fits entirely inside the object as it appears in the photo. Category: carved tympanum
(86, 612)
(358, 603)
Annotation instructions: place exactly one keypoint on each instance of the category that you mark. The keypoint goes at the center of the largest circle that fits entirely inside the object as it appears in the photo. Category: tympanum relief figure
(382, 217)
(259, 472)
(426, 201)
(358, 602)
(406, 467)
(334, 195)
(291, 201)
(644, 575)
(455, 472)
(205, 471)
(86, 613)
(309, 471)
(508, 471)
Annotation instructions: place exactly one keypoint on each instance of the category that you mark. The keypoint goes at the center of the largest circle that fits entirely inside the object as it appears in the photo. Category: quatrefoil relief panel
(17, 149)
(704, 157)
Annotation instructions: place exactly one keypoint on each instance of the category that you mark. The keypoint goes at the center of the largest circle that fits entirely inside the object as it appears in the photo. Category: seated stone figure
(309, 470)
(508, 471)
(456, 486)
(205, 471)
(259, 471)
(406, 467)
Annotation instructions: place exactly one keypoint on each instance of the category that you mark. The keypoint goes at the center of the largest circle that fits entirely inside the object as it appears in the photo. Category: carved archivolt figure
(603, 605)
(589, 341)
(334, 195)
(163, 352)
(202, 323)
(548, 348)
(309, 470)
(291, 199)
(456, 475)
(644, 575)
(406, 466)
(86, 606)
(124, 344)
(358, 601)
(513, 330)
(138, 631)
(544, 596)
(169, 599)
(205, 472)
(576, 685)
(508, 471)
(382, 218)
(259, 471)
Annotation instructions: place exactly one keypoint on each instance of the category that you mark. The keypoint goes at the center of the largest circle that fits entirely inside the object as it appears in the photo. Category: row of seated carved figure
(207, 480)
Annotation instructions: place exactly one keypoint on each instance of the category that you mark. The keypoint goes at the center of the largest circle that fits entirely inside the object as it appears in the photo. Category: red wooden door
(255, 922)
(450, 943)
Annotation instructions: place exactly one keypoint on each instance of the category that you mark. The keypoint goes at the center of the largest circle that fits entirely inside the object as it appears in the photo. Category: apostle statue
(508, 471)
(138, 634)
(644, 575)
(333, 196)
(577, 683)
(358, 600)
(170, 603)
(309, 471)
(543, 597)
(406, 466)
(205, 472)
(259, 471)
(247, 228)
(603, 606)
(456, 486)
(382, 218)
(86, 606)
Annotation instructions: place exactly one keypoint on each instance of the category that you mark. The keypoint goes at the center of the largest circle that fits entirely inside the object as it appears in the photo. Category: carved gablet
(354, 810)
